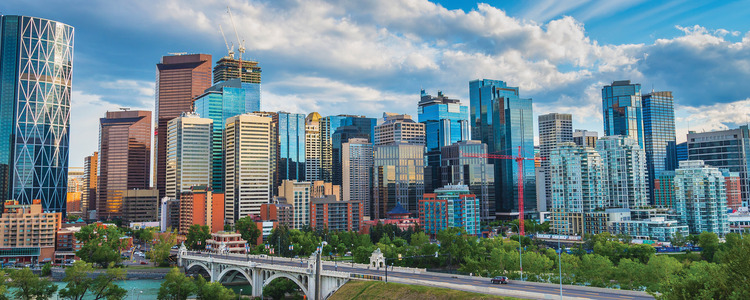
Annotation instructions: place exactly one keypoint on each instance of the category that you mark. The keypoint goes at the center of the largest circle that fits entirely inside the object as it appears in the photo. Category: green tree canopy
(29, 286)
(197, 236)
(212, 290)
(160, 251)
(248, 230)
(176, 286)
(101, 245)
(81, 284)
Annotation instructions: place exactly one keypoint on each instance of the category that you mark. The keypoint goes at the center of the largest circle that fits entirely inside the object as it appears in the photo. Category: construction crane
(240, 43)
(519, 160)
(230, 50)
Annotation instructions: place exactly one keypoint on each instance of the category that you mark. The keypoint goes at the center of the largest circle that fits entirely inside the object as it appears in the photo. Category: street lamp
(240, 295)
(139, 295)
(352, 256)
(520, 247)
(559, 264)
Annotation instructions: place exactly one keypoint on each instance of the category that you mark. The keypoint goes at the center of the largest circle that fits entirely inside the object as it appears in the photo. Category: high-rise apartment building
(726, 149)
(357, 164)
(586, 138)
(475, 172)
(624, 171)
(140, 205)
(399, 129)
(328, 127)
(90, 179)
(189, 153)
(247, 140)
(577, 186)
(449, 206)
(221, 101)
(203, 207)
(27, 233)
(36, 71)
(732, 184)
(659, 135)
(622, 110)
(290, 157)
(297, 194)
(124, 158)
(179, 80)
(504, 121)
(334, 214)
(312, 147)
(554, 129)
(701, 199)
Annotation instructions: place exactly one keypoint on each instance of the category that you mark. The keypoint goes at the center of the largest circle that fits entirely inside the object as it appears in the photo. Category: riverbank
(382, 290)
(131, 273)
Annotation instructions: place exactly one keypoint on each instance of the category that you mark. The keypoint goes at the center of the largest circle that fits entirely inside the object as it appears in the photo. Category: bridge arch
(226, 271)
(291, 277)
(200, 265)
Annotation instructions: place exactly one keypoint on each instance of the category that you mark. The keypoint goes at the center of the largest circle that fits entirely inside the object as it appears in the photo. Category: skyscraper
(729, 149)
(328, 127)
(475, 172)
(659, 135)
(624, 171)
(554, 129)
(290, 159)
(701, 200)
(247, 139)
(179, 80)
(189, 153)
(219, 102)
(622, 110)
(90, 179)
(229, 68)
(312, 147)
(446, 122)
(357, 163)
(36, 70)
(298, 194)
(124, 158)
(586, 138)
(342, 135)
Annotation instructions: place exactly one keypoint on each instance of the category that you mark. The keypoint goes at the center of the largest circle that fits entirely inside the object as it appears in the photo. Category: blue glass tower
(291, 145)
(622, 110)
(36, 69)
(221, 101)
(328, 127)
(659, 135)
(446, 122)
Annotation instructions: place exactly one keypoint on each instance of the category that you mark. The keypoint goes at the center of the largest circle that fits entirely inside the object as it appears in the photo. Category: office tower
(179, 80)
(475, 172)
(90, 169)
(201, 206)
(312, 147)
(398, 177)
(74, 190)
(140, 205)
(281, 213)
(726, 149)
(290, 157)
(229, 68)
(659, 135)
(701, 197)
(622, 110)
(321, 189)
(297, 194)
(681, 151)
(124, 158)
(328, 127)
(36, 60)
(554, 129)
(504, 121)
(342, 135)
(446, 122)
(219, 102)
(450, 206)
(335, 215)
(624, 171)
(189, 153)
(275, 149)
(586, 138)
(399, 129)
(577, 186)
(357, 163)
(247, 140)
(733, 189)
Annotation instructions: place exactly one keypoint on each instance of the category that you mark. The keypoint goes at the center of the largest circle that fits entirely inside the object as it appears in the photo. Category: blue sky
(367, 57)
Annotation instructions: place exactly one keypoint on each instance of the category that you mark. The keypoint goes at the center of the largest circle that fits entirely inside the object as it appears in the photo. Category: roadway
(519, 289)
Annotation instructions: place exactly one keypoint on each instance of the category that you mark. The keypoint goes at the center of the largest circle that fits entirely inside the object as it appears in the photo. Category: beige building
(28, 234)
(312, 147)
(398, 129)
(297, 194)
(247, 144)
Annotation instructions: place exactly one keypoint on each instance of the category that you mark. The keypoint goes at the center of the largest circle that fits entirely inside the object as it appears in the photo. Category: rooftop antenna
(240, 43)
(230, 50)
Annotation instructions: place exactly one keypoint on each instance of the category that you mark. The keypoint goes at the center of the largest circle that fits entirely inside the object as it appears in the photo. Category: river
(149, 289)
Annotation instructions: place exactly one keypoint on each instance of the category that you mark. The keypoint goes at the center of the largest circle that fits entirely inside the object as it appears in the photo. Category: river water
(149, 289)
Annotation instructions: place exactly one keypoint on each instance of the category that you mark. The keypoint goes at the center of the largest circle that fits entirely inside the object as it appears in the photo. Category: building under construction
(228, 68)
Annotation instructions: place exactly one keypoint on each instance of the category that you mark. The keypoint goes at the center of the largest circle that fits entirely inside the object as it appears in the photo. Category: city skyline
(383, 58)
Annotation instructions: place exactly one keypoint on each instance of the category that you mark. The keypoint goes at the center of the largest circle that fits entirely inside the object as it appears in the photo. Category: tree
(709, 241)
(703, 280)
(278, 288)
(101, 245)
(629, 273)
(176, 286)
(81, 285)
(212, 290)
(595, 269)
(248, 230)
(160, 251)
(47, 269)
(678, 239)
(3, 287)
(29, 286)
(197, 236)
(659, 269)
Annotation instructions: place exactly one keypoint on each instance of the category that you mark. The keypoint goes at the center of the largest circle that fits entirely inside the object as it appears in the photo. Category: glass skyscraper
(36, 70)
(219, 102)
(328, 127)
(291, 147)
(622, 110)
(726, 149)
(476, 172)
(659, 136)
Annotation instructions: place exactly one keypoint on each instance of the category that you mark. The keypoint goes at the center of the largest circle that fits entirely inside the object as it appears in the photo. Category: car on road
(499, 280)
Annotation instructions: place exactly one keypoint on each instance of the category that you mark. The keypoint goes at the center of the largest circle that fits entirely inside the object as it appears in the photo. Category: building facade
(201, 206)
(659, 136)
(342, 135)
(701, 198)
(328, 127)
(290, 157)
(399, 129)
(335, 215)
(189, 153)
(449, 206)
(281, 213)
(586, 138)
(622, 110)
(475, 172)
(90, 179)
(140, 205)
(36, 59)
(298, 195)
(554, 129)
(357, 166)
(179, 80)
(726, 149)
(625, 173)
(124, 158)
(27, 234)
(312, 147)
(398, 177)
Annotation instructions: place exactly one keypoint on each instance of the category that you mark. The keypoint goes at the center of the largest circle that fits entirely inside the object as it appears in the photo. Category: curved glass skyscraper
(36, 69)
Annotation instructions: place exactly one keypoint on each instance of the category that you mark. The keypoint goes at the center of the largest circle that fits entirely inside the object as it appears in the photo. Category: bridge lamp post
(520, 252)
(240, 295)
(559, 265)
(352, 256)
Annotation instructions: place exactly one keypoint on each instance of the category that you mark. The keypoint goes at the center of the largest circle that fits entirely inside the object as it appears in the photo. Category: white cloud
(718, 116)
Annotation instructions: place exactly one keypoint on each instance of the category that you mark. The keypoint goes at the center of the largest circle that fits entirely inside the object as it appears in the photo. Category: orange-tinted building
(733, 190)
(327, 212)
(179, 80)
(278, 212)
(27, 234)
(203, 207)
(74, 202)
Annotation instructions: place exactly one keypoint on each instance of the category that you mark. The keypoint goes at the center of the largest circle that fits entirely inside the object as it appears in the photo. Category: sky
(368, 57)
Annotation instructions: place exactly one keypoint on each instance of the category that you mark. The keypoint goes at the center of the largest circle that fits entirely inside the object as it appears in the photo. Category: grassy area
(144, 267)
(382, 290)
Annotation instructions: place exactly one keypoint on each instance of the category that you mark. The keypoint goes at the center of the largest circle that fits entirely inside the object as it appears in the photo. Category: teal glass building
(328, 127)
(622, 110)
(36, 69)
(659, 136)
(291, 147)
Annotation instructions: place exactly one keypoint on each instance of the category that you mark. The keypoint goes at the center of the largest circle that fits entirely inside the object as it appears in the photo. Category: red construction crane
(519, 159)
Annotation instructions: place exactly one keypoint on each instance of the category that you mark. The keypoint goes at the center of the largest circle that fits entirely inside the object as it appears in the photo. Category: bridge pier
(257, 283)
